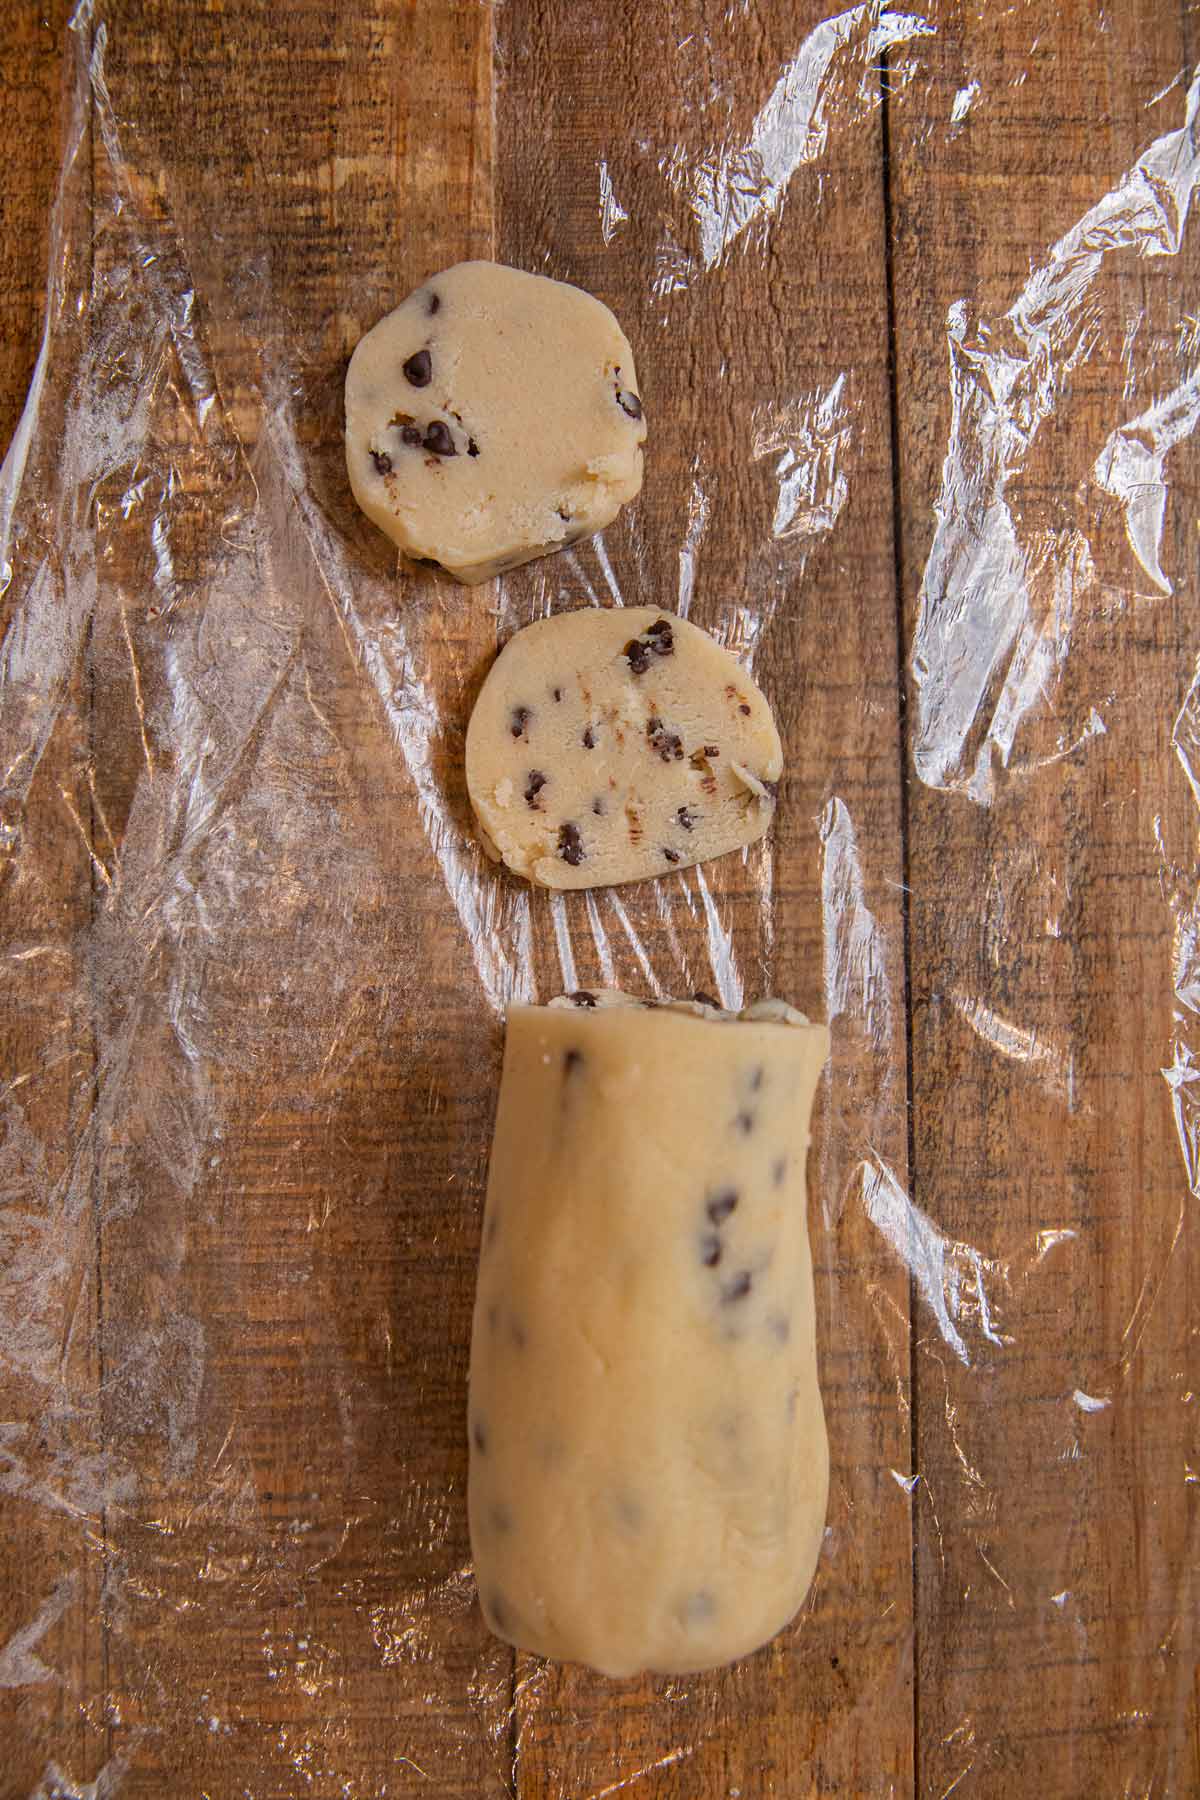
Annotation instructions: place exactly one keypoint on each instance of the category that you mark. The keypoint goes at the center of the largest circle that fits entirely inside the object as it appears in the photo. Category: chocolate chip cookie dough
(492, 417)
(613, 744)
(648, 1459)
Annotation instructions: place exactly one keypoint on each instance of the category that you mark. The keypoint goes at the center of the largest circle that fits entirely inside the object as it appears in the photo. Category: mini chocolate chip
(570, 844)
(598, 807)
(738, 1288)
(571, 1061)
(419, 368)
(479, 1436)
(629, 403)
(533, 788)
(472, 447)
(672, 856)
(582, 998)
(779, 1170)
(833, 1662)
(638, 654)
(439, 441)
(756, 1078)
(521, 716)
(721, 1205)
(703, 999)
(712, 750)
(589, 738)
(743, 708)
(501, 1518)
(780, 1327)
(745, 1123)
(664, 636)
(558, 693)
(686, 819)
(434, 301)
(710, 1249)
(667, 744)
(382, 461)
(411, 435)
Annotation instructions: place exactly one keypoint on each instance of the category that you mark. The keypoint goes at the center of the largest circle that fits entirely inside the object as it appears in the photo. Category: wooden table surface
(254, 966)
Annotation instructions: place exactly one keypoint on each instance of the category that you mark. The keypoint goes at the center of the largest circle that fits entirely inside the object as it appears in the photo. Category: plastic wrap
(255, 962)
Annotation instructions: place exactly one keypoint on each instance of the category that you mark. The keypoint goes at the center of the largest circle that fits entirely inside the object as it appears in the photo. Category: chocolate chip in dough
(533, 788)
(589, 739)
(686, 818)
(703, 999)
(629, 403)
(439, 441)
(570, 844)
(411, 435)
(738, 1288)
(472, 447)
(433, 303)
(479, 1436)
(710, 1249)
(521, 716)
(744, 1123)
(382, 461)
(779, 1170)
(667, 745)
(572, 1060)
(418, 370)
(672, 856)
(582, 998)
(721, 1205)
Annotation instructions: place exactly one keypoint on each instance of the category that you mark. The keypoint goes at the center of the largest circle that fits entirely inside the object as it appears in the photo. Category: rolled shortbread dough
(648, 1460)
(491, 417)
(616, 743)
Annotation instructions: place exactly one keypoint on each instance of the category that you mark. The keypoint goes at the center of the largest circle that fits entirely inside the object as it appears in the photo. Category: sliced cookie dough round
(614, 744)
(492, 417)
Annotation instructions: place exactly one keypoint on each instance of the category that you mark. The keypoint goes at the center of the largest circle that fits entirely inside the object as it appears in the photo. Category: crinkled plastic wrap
(256, 964)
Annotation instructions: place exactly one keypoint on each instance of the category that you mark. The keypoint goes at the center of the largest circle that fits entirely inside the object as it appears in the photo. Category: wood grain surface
(254, 968)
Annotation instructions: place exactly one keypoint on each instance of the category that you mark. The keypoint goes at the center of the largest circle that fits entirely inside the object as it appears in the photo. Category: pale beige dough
(492, 417)
(613, 744)
(648, 1460)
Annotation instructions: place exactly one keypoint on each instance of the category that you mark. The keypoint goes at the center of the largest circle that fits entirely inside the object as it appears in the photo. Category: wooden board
(261, 1022)
(1056, 1615)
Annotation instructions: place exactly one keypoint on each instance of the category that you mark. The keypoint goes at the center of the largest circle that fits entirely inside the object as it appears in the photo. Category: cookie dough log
(492, 417)
(614, 744)
(648, 1461)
